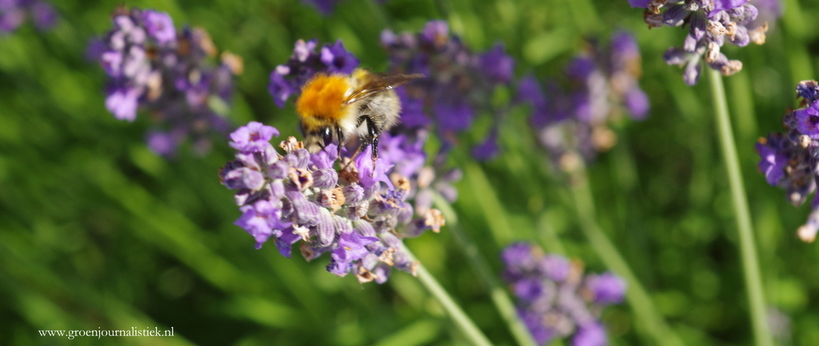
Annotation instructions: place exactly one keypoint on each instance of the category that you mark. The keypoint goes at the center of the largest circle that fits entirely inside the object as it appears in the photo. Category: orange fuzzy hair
(321, 100)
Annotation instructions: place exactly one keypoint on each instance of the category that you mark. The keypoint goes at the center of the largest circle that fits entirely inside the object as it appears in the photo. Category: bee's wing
(380, 84)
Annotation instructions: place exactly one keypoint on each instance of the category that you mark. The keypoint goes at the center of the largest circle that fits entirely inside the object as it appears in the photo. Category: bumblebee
(333, 108)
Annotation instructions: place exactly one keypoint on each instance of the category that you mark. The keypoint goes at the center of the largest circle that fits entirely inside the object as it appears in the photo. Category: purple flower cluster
(14, 12)
(789, 159)
(711, 23)
(286, 80)
(602, 83)
(459, 82)
(168, 73)
(555, 298)
(353, 212)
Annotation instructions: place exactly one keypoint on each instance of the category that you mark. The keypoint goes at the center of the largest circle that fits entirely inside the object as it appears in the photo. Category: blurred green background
(96, 231)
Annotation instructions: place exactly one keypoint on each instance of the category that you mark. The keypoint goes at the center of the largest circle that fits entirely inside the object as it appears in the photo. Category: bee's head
(322, 98)
(320, 108)
(317, 138)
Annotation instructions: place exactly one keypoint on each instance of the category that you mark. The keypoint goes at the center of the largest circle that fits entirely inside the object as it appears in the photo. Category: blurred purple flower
(489, 149)
(602, 84)
(553, 299)
(152, 67)
(338, 59)
(162, 143)
(497, 65)
(606, 288)
(459, 82)
(13, 14)
(160, 26)
(590, 335)
(286, 80)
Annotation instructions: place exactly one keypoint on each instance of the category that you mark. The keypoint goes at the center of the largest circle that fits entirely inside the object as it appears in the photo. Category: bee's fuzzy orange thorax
(322, 99)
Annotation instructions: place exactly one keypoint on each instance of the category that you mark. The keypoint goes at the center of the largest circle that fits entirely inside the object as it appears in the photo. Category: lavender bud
(325, 178)
(675, 15)
(324, 228)
(306, 212)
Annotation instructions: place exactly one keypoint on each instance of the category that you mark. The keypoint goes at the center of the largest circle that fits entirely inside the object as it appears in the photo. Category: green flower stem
(750, 263)
(499, 297)
(646, 315)
(458, 316)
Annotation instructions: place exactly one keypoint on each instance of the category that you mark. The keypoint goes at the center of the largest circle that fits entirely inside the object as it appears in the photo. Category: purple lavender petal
(453, 115)
(637, 103)
(497, 65)
(253, 137)
(351, 247)
(338, 59)
(160, 26)
(257, 220)
(435, 32)
(592, 334)
(122, 103)
(280, 88)
(580, 68)
(607, 288)
(162, 143)
(286, 240)
(555, 267)
(772, 163)
(528, 289)
(808, 120)
(412, 110)
(534, 322)
(367, 176)
(517, 259)
(692, 72)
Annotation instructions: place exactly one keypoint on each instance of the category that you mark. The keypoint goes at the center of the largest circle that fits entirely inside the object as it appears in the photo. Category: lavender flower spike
(574, 123)
(152, 66)
(711, 23)
(788, 159)
(556, 299)
(299, 197)
(458, 84)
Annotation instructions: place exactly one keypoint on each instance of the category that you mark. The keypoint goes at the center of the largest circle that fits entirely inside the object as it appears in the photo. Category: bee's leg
(373, 134)
(341, 140)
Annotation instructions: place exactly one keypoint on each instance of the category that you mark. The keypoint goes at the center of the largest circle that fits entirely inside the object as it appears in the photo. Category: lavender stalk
(750, 263)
